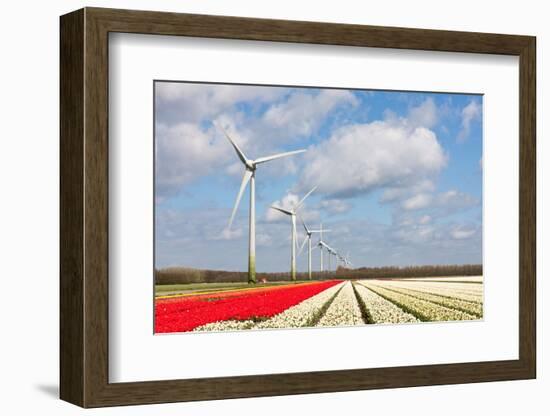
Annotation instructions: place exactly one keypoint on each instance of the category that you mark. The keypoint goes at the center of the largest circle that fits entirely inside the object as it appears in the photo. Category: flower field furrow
(344, 310)
(380, 310)
(453, 303)
(303, 314)
(424, 310)
(189, 312)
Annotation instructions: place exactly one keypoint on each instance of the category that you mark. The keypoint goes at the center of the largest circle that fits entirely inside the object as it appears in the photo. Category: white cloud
(335, 206)
(425, 115)
(425, 219)
(443, 203)
(417, 202)
(462, 233)
(361, 158)
(183, 153)
(392, 194)
(303, 112)
(194, 102)
(455, 199)
(470, 113)
(227, 234)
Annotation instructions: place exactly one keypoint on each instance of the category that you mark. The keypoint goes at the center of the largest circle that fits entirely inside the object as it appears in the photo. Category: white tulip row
(422, 309)
(466, 291)
(344, 310)
(382, 311)
(304, 313)
(449, 292)
(230, 325)
(472, 308)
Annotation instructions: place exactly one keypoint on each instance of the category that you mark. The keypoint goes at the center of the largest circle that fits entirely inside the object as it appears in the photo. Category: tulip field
(320, 304)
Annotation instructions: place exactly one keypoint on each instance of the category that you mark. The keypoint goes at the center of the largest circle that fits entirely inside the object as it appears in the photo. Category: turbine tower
(250, 176)
(308, 239)
(292, 213)
(321, 243)
(330, 252)
(347, 261)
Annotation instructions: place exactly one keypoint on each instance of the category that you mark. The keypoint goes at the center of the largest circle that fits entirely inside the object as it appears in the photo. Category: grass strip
(322, 310)
(367, 317)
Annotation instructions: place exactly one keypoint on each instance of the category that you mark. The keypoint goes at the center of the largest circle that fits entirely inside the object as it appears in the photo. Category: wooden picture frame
(84, 207)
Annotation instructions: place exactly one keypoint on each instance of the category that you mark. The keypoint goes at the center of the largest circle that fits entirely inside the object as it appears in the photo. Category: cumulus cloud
(462, 233)
(425, 219)
(185, 152)
(228, 234)
(424, 115)
(440, 204)
(362, 157)
(470, 113)
(191, 102)
(335, 206)
(417, 202)
(303, 112)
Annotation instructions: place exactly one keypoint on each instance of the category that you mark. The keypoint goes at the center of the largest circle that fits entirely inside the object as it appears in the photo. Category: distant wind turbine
(250, 176)
(292, 213)
(308, 239)
(321, 243)
(330, 252)
(347, 261)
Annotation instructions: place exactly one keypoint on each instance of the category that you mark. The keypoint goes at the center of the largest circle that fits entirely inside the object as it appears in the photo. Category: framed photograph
(255, 207)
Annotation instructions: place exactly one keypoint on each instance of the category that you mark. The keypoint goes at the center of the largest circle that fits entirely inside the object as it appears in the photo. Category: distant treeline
(412, 271)
(178, 275)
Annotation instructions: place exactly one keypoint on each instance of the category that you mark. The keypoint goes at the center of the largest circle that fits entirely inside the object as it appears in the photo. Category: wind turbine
(308, 239)
(330, 252)
(347, 261)
(292, 213)
(250, 176)
(321, 243)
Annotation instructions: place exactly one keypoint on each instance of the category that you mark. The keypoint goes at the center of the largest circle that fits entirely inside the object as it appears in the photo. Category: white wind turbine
(330, 252)
(321, 243)
(347, 261)
(250, 176)
(308, 239)
(292, 213)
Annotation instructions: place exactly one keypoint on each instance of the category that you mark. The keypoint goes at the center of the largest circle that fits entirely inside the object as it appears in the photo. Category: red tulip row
(186, 313)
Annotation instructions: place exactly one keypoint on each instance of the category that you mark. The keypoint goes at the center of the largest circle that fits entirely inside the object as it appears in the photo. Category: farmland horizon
(182, 275)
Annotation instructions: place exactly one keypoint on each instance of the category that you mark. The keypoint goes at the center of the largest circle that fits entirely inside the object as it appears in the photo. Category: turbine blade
(246, 177)
(305, 226)
(235, 146)
(304, 198)
(303, 245)
(277, 156)
(284, 211)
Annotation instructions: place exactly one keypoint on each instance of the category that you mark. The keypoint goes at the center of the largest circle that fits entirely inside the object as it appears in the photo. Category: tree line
(181, 275)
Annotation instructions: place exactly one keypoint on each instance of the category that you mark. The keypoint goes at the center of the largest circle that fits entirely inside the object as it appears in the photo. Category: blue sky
(398, 174)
